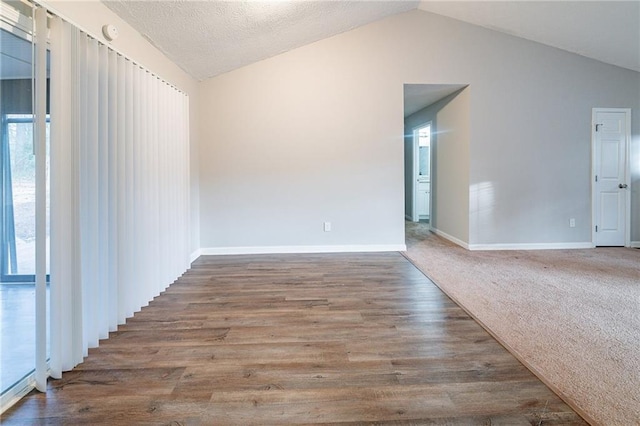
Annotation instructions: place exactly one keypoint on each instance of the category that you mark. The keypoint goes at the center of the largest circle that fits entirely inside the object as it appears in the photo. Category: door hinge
(596, 228)
(596, 178)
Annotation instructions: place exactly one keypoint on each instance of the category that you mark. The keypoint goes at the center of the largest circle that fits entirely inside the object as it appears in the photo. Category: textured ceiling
(208, 38)
(608, 31)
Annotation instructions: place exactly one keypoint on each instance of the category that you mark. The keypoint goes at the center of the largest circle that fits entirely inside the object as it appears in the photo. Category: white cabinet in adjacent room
(423, 192)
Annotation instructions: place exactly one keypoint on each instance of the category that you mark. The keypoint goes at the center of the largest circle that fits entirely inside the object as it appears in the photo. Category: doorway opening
(435, 116)
(422, 173)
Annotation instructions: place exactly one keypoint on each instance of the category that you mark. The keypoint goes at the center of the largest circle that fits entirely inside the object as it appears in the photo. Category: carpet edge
(586, 417)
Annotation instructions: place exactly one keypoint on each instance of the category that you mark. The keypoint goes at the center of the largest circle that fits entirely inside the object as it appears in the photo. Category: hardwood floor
(277, 339)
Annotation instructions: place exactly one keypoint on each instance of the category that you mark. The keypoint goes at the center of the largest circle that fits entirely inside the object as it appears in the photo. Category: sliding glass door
(18, 195)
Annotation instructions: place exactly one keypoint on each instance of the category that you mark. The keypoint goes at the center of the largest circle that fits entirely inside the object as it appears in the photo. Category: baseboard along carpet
(571, 316)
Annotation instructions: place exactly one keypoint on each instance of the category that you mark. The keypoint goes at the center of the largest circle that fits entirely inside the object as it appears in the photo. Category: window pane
(20, 139)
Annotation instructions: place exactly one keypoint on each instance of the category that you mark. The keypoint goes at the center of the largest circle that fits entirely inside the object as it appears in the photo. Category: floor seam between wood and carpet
(571, 316)
(511, 350)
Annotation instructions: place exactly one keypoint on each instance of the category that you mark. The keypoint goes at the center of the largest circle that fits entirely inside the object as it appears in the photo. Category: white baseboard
(523, 246)
(196, 254)
(302, 249)
(532, 246)
(450, 238)
(635, 244)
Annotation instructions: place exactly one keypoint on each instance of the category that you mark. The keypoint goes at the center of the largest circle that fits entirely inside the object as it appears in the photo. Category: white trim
(450, 238)
(195, 255)
(302, 249)
(634, 244)
(513, 246)
(532, 246)
(627, 174)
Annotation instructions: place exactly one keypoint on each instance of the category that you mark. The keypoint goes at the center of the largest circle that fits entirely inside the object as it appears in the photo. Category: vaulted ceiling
(208, 38)
(608, 31)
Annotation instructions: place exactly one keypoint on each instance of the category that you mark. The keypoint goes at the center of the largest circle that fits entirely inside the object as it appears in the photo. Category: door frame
(627, 175)
(416, 169)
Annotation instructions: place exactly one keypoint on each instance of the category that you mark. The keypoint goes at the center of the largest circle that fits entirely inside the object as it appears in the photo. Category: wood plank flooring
(304, 339)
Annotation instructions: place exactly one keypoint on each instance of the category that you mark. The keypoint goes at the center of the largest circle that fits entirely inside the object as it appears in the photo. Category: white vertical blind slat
(112, 195)
(144, 216)
(138, 265)
(121, 193)
(156, 184)
(165, 177)
(186, 187)
(75, 330)
(102, 213)
(91, 247)
(131, 237)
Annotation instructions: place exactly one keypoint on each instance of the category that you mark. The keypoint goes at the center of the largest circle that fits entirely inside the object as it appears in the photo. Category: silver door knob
(622, 186)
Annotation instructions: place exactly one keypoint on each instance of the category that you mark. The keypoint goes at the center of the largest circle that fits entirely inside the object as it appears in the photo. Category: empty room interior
(320, 212)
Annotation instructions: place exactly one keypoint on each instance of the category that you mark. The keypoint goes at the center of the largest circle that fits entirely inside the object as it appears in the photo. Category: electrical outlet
(572, 223)
(327, 227)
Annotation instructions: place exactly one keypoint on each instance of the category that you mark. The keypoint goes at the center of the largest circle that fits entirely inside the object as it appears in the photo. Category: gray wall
(531, 145)
(316, 134)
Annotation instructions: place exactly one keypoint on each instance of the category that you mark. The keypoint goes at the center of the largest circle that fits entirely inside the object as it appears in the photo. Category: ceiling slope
(208, 38)
(608, 31)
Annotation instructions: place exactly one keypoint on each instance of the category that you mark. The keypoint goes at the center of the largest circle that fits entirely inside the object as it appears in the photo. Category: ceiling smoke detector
(110, 32)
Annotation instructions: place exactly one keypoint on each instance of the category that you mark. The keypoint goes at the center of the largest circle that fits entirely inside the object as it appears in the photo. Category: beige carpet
(572, 316)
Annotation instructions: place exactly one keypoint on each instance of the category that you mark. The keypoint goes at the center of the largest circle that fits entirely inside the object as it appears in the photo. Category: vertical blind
(119, 214)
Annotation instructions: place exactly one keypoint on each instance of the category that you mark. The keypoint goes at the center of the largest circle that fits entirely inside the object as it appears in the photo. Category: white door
(611, 133)
(421, 171)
